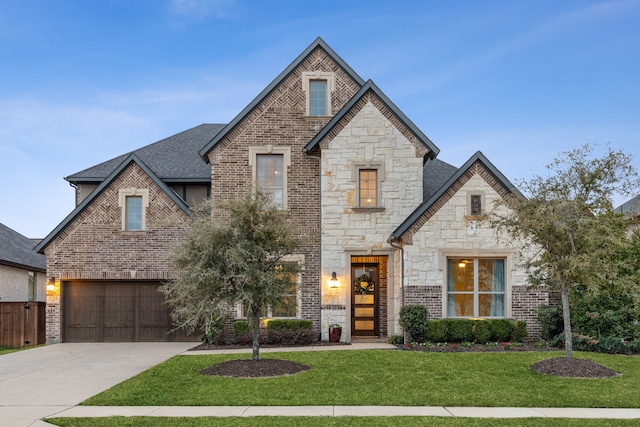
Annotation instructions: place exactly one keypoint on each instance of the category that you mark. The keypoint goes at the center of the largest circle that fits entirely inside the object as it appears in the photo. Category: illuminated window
(368, 188)
(475, 287)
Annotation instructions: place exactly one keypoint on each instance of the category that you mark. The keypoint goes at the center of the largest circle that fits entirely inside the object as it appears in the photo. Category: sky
(83, 81)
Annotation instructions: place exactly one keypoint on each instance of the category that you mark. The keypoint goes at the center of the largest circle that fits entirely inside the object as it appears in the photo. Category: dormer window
(318, 86)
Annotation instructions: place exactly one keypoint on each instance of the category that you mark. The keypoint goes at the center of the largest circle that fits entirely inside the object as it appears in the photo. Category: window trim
(123, 193)
(307, 78)
(470, 196)
(476, 292)
(286, 162)
(376, 165)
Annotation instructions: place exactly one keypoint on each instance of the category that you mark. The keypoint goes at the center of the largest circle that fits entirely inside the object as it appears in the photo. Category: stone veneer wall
(448, 230)
(93, 246)
(280, 121)
(370, 133)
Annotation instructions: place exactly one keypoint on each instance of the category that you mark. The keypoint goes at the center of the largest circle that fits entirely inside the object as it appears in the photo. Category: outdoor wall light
(333, 282)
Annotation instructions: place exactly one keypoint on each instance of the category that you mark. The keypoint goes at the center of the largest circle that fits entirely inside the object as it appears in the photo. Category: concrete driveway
(42, 381)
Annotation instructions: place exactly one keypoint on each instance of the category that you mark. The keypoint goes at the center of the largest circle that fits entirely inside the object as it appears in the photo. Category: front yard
(383, 377)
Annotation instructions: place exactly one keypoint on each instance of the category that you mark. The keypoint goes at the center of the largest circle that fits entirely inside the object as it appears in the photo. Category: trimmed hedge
(480, 331)
(290, 332)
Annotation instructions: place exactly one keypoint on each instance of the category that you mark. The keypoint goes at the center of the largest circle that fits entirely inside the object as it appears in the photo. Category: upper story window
(318, 98)
(269, 169)
(318, 86)
(368, 177)
(133, 202)
(368, 194)
(476, 204)
(475, 287)
(31, 286)
(270, 175)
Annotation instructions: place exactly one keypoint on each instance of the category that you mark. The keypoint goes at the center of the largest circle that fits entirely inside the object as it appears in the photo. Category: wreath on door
(364, 284)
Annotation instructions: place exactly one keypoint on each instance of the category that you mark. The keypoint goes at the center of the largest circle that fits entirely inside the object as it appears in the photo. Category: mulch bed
(247, 368)
(572, 368)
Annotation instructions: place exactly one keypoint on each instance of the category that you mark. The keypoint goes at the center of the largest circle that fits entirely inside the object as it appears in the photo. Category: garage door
(116, 311)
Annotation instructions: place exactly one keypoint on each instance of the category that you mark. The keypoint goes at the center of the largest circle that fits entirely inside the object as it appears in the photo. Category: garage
(115, 311)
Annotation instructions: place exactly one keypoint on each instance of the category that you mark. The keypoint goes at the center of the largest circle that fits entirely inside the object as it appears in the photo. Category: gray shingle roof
(17, 250)
(173, 159)
(630, 207)
(434, 174)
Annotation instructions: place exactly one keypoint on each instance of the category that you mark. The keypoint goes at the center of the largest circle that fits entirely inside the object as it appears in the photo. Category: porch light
(333, 282)
(51, 285)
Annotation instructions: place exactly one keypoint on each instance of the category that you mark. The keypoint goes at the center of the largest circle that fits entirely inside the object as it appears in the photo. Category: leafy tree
(566, 227)
(233, 257)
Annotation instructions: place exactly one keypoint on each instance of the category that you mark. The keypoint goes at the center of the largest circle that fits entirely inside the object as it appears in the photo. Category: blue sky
(84, 81)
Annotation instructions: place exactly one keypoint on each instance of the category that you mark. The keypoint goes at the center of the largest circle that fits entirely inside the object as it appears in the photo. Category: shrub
(501, 329)
(633, 347)
(460, 330)
(395, 340)
(481, 331)
(241, 327)
(551, 322)
(414, 320)
(214, 331)
(290, 332)
(437, 330)
(519, 331)
(289, 324)
(612, 345)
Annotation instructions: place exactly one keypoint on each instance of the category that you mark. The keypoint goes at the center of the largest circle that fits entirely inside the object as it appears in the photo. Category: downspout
(401, 277)
(307, 155)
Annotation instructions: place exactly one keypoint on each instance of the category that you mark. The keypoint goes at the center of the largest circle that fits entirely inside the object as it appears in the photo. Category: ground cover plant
(333, 421)
(5, 350)
(409, 378)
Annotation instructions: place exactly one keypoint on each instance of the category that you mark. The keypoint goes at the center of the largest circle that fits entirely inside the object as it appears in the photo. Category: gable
(285, 96)
(100, 209)
(478, 165)
(370, 93)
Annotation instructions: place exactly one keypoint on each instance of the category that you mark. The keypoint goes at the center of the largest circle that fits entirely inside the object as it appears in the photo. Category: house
(22, 290)
(631, 206)
(22, 270)
(380, 214)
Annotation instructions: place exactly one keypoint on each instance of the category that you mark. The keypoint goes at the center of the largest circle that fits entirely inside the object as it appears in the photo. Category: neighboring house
(630, 206)
(396, 225)
(22, 270)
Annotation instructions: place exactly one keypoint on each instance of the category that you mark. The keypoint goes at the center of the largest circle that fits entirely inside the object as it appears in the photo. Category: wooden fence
(22, 324)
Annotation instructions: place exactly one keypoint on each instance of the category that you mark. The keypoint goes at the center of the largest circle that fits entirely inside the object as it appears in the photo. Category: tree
(566, 226)
(238, 257)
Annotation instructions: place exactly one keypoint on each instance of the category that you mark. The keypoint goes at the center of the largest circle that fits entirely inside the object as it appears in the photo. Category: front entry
(365, 295)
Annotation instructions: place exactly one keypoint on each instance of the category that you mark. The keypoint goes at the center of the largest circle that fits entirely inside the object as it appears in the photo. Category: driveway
(42, 381)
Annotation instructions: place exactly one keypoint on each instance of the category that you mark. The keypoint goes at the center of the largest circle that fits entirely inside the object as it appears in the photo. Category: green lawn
(5, 350)
(377, 377)
(335, 421)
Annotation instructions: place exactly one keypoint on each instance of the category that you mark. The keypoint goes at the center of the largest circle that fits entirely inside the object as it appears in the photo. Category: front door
(365, 291)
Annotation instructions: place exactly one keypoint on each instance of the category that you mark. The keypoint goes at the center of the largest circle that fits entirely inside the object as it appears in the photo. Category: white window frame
(286, 162)
(476, 306)
(307, 77)
(123, 193)
(378, 166)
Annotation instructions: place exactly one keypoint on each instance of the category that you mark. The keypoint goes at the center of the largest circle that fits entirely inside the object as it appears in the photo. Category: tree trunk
(255, 328)
(566, 317)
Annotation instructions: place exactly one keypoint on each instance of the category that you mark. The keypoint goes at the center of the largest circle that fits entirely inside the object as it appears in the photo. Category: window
(269, 168)
(134, 212)
(288, 306)
(476, 204)
(368, 195)
(318, 98)
(318, 86)
(31, 286)
(475, 287)
(133, 202)
(270, 175)
(368, 177)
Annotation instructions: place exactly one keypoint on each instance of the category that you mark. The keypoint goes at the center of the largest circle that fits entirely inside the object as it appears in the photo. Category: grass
(376, 377)
(334, 421)
(6, 350)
